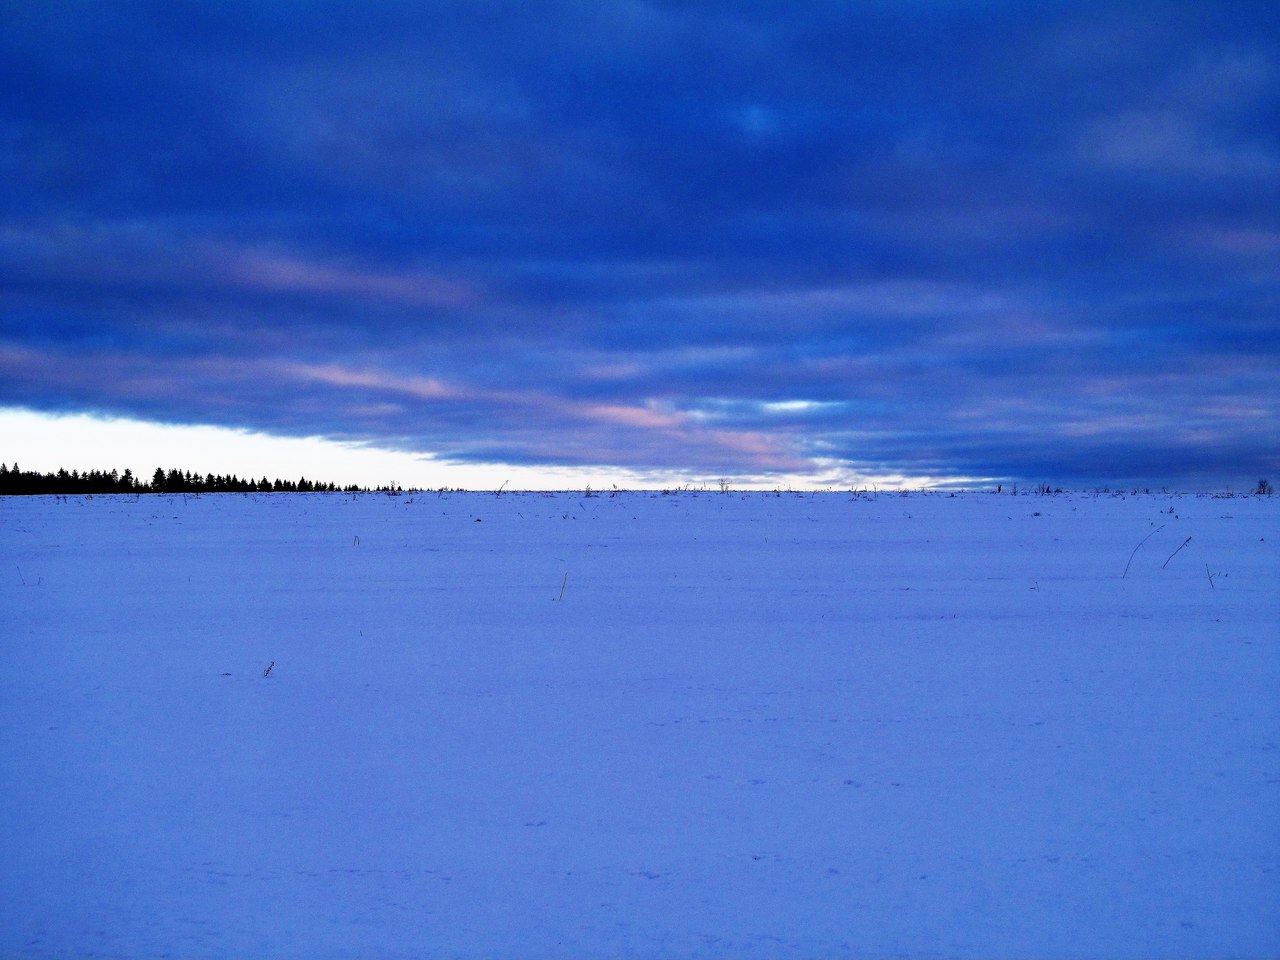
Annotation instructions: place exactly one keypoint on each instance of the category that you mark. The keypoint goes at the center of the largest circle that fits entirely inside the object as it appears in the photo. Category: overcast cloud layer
(982, 240)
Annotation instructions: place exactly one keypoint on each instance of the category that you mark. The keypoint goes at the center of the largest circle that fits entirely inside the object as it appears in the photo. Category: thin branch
(1175, 553)
(1139, 547)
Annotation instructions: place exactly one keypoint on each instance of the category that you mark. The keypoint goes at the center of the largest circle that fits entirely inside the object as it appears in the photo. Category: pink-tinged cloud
(761, 450)
(613, 371)
(13, 359)
(676, 428)
(335, 375)
(644, 417)
(262, 270)
(1244, 242)
(430, 388)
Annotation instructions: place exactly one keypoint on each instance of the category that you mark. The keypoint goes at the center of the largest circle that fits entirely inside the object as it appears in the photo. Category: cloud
(273, 272)
(422, 388)
(1161, 142)
(822, 240)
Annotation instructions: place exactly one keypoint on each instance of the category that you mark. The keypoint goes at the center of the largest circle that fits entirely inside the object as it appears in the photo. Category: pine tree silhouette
(16, 482)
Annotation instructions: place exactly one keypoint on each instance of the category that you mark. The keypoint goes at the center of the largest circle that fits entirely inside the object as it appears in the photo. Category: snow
(802, 725)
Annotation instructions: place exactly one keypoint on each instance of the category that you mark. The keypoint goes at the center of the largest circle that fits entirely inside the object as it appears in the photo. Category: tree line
(15, 481)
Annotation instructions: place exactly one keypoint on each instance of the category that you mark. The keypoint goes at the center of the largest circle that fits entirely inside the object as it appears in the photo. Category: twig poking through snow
(566, 580)
(271, 666)
(1139, 547)
(1210, 576)
(1175, 553)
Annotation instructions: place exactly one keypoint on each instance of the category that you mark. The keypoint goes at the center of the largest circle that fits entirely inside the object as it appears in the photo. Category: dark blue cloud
(983, 240)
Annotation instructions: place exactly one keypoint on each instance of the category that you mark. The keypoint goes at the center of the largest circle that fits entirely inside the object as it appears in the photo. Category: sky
(824, 244)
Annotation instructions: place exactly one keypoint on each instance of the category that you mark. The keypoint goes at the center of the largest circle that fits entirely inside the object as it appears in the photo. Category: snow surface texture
(807, 725)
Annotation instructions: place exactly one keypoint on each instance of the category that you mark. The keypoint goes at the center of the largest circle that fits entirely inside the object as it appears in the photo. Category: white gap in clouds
(80, 441)
(799, 406)
(48, 442)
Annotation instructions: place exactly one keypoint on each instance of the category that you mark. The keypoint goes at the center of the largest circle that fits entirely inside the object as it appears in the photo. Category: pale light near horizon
(48, 442)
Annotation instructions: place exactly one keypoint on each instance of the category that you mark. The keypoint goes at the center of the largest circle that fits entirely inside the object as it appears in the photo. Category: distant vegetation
(15, 482)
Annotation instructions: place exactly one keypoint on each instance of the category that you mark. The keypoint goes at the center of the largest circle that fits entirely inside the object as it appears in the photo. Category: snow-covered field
(696, 725)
